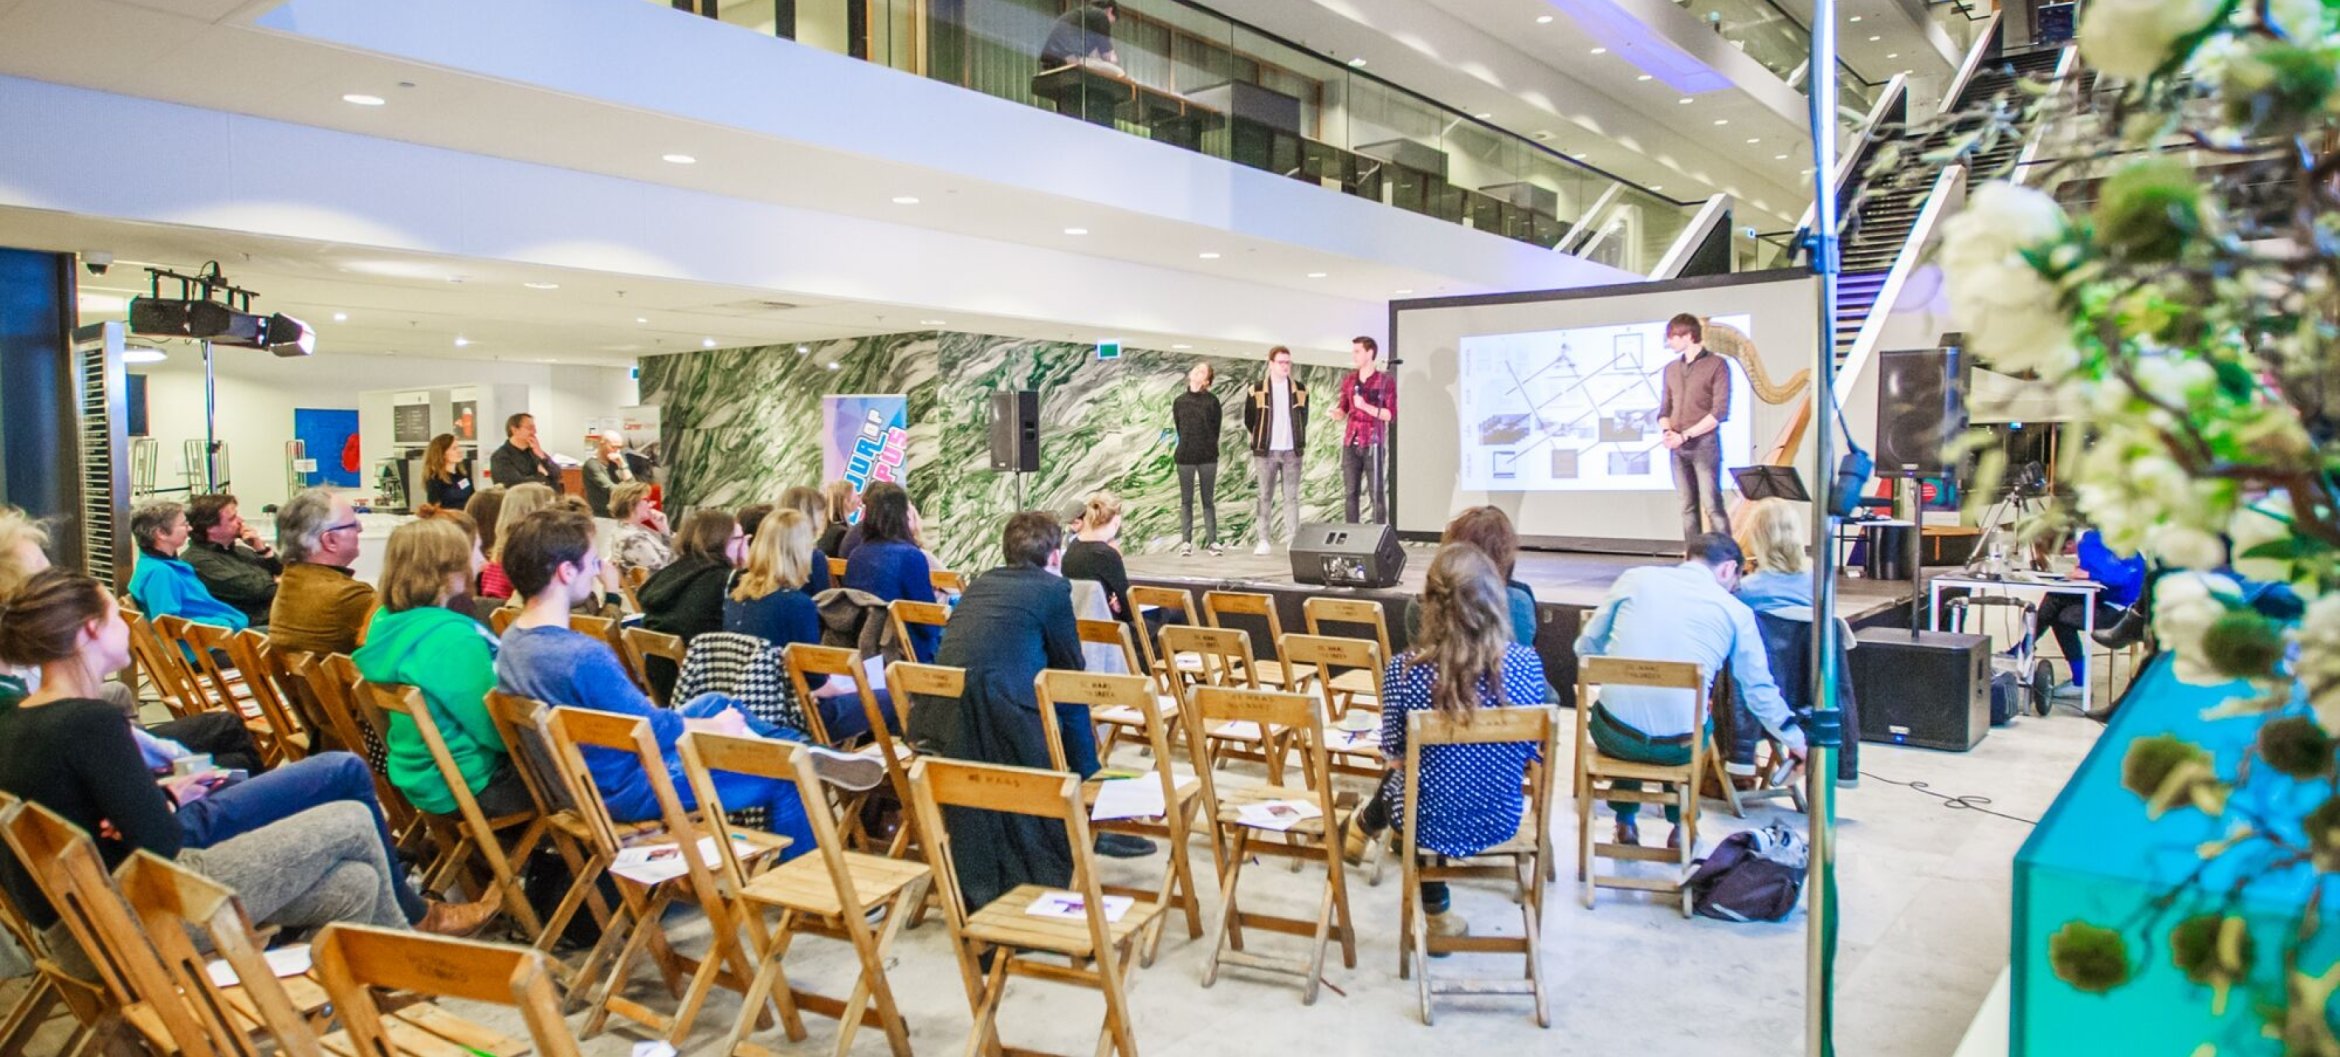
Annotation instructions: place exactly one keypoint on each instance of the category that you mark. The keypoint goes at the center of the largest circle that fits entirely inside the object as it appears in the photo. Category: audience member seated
(751, 517)
(553, 566)
(321, 607)
(642, 540)
(1684, 612)
(422, 639)
(2062, 613)
(522, 459)
(518, 503)
(294, 861)
(1489, 529)
(446, 481)
(218, 734)
(1013, 621)
(162, 583)
(611, 466)
(1779, 573)
(685, 599)
(888, 563)
(234, 563)
(843, 504)
(485, 510)
(806, 500)
(772, 599)
(1464, 659)
(1095, 554)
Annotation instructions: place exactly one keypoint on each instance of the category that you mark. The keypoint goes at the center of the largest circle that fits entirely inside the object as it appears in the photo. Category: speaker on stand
(1015, 435)
(1921, 409)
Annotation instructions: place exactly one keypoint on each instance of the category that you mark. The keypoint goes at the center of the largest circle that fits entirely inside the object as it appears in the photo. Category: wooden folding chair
(201, 647)
(63, 864)
(1207, 656)
(522, 723)
(1354, 752)
(1177, 605)
(1291, 718)
(48, 988)
(289, 672)
(170, 902)
(501, 620)
(1320, 610)
(639, 645)
(947, 582)
(1115, 721)
(1016, 942)
(906, 613)
(162, 667)
(469, 839)
(249, 650)
(1788, 788)
(1276, 672)
(1181, 796)
(1523, 856)
(832, 894)
(630, 582)
(1597, 772)
(637, 926)
(337, 682)
(356, 961)
(837, 572)
(805, 660)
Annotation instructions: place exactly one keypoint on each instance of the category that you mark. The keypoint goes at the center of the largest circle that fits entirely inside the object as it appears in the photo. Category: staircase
(1880, 224)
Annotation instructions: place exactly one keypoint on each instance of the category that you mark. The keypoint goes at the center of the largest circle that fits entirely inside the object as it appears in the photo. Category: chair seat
(1599, 766)
(426, 1030)
(1004, 922)
(1232, 801)
(804, 884)
(1239, 730)
(1354, 681)
(1273, 673)
(1187, 789)
(1125, 716)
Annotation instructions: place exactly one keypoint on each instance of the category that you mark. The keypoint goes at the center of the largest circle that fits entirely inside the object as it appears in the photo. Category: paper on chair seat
(1277, 815)
(1120, 714)
(1135, 797)
(1240, 730)
(1071, 906)
(283, 961)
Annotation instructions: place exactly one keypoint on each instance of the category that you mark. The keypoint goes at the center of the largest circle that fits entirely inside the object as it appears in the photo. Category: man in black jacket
(1276, 416)
(230, 558)
(522, 459)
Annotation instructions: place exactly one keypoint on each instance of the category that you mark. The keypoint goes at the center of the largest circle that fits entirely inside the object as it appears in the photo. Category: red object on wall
(349, 454)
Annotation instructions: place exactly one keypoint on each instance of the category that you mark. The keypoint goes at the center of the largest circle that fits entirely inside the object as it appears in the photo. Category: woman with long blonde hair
(1462, 660)
(1774, 539)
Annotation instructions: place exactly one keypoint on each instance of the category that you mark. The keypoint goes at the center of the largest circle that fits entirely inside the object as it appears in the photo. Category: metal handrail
(1951, 184)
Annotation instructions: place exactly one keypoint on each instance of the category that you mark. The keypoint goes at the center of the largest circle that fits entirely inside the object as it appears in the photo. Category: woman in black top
(1196, 414)
(445, 484)
(843, 503)
(686, 597)
(1095, 554)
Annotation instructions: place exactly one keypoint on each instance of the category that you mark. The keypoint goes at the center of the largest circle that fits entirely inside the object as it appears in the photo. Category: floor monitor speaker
(1343, 554)
(1015, 430)
(1932, 690)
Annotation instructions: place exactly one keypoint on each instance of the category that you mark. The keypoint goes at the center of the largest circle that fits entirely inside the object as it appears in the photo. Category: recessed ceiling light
(1358, 61)
(1402, 293)
(707, 343)
(461, 341)
(1208, 256)
(362, 99)
(832, 365)
(1722, 121)
(1779, 157)
(1874, 40)
(641, 319)
(1893, 55)
(1754, 139)
(1076, 231)
(1181, 347)
(1643, 77)
(341, 317)
(1482, 117)
(1657, 187)
(1543, 134)
(542, 286)
(679, 159)
(930, 322)
(802, 349)
(1855, 18)
(143, 354)
(1543, 20)
(1685, 100)
(905, 200)
(1579, 154)
(1600, 51)
(1316, 275)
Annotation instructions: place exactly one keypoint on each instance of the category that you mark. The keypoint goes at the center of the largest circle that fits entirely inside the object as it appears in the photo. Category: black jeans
(2062, 613)
(1363, 463)
(1208, 475)
(1374, 819)
(1698, 480)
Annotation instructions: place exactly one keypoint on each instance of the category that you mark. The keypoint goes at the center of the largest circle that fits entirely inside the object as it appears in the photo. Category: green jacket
(451, 659)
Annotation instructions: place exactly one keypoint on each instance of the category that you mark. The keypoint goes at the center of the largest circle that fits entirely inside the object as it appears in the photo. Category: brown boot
(1354, 842)
(1674, 839)
(459, 919)
(1627, 832)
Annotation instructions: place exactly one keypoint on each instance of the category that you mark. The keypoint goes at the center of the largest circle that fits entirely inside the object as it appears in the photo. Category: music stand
(1771, 482)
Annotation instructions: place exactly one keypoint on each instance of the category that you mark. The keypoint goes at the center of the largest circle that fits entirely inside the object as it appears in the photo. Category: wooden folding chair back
(603, 628)
(1347, 617)
(639, 644)
(289, 672)
(1253, 611)
(249, 650)
(1181, 797)
(837, 572)
(1294, 722)
(831, 893)
(805, 660)
(191, 643)
(522, 725)
(1177, 606)
(1221, 657)
(333, 681)
(501, 620)
(49, 987)
(1355, 691)
(1677, 785)
(906, 613)
(169, 901)
(356, 961)
(1018, 943)
(946, 581)
(1526, 855)
(63, 863)
(470, 835)
(631, 583)
(164, 668)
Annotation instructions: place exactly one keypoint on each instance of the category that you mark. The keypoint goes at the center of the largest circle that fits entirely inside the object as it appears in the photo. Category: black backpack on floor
(1754, 875)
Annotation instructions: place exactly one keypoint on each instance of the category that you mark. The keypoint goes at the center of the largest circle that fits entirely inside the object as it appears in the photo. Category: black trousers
(1363, 467)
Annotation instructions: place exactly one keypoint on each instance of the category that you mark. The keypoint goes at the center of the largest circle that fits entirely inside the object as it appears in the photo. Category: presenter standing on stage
(1369, 402)
(1196, 414)
(1694, 397)
(1276, 416)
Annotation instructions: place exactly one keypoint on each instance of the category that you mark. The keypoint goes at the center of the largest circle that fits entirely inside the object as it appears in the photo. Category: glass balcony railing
(1178, 73)
(1783, 45)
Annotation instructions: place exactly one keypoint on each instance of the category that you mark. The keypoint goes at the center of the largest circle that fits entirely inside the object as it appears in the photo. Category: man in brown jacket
(1694, 397)
(320, 606)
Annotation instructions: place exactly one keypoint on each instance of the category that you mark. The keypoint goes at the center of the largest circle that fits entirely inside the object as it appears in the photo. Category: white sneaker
(1186, 550)
(1263, 549)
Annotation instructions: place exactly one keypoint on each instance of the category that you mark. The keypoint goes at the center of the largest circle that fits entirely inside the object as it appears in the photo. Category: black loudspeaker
(1932, 691)
(1015, 430)
(1340, 554)
(1921, 408)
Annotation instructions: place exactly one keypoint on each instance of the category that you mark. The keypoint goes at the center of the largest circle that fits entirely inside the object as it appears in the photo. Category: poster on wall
(467, 421)
(641, 425)
(410, 418)
(330, 436)
(865, 438)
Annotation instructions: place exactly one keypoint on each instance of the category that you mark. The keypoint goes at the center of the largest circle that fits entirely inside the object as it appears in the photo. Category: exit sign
(1109, 350)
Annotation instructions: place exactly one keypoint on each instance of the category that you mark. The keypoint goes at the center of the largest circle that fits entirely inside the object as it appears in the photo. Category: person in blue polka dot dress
(1463, 659)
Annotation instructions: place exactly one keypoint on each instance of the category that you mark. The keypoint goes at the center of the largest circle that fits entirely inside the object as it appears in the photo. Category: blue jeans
(266, 799)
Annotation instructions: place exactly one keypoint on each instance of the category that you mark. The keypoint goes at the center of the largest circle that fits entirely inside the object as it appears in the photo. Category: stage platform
(1568, 586)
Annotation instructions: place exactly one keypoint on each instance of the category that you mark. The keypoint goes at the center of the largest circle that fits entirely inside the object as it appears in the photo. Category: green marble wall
(740, 425)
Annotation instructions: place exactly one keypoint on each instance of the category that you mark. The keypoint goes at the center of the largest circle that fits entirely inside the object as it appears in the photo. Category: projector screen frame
(1399, 345)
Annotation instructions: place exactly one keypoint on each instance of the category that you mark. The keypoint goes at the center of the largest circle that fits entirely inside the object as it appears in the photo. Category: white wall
(258, 392)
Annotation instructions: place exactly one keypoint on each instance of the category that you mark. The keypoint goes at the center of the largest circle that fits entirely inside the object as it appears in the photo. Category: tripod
(2021, 503)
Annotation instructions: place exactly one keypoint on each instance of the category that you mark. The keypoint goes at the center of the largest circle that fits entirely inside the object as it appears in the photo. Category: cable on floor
(1968, 802)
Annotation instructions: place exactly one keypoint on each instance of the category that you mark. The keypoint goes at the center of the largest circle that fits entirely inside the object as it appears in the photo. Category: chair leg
(1584, 841)
(1225, 929)
(1722, 778)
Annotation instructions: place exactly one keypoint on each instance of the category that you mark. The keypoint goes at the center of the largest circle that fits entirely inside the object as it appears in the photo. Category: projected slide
(1577, 409)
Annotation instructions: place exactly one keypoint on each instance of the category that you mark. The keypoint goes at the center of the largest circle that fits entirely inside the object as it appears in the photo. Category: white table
(2026, 584)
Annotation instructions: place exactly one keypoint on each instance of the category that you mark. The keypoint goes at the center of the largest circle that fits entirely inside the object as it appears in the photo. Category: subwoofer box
(1932, 690)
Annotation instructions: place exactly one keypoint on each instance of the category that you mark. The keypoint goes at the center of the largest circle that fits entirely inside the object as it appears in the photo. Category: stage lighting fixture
(221, 325)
